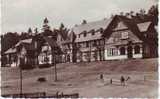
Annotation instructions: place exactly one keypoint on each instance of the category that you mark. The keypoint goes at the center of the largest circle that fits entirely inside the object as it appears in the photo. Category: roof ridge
(91, 22)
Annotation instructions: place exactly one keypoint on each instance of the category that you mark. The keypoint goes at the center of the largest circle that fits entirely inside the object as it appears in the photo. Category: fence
(41, 95)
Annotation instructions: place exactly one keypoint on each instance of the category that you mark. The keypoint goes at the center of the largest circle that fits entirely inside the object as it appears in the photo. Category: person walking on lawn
(101, 77)
(122, 81)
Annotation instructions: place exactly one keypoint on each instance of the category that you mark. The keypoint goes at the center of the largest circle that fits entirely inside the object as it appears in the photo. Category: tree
(46, 27)
(153, 14)
(63, 31)
(36, 30)
(29, 30)
(24, 35)
(8, 40)
(142, 12)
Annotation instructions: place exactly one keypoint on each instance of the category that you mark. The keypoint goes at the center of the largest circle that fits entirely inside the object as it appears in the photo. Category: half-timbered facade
(125, 39)
(115, 38)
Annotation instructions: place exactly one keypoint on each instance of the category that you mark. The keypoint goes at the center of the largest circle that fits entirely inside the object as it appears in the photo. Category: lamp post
(55, 68)
(20, 82)
(54, 63)
(20, 70)
(22, 62)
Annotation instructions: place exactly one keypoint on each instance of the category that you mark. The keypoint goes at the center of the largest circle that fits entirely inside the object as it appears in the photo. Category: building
(11, 57)
(27, 51)
(66, 43)
(115, 38)
(49, 49)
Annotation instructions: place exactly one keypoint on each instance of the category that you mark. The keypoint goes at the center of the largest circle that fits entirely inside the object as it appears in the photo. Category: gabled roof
(91, 25)
(88, 27)
(143, 27)
(128, 22)
(10, 51)
(28, 41)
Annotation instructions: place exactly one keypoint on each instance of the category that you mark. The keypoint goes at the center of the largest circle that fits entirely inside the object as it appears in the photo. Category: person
(101, 77)
(111, 81)
(122, 81)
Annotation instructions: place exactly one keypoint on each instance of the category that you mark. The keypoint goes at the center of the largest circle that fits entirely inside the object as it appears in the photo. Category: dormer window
(85, 33)
(101, 30)
(79, 35)
(93, 32)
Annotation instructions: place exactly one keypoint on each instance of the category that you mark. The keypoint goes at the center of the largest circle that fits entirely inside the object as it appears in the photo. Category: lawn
(83, 78)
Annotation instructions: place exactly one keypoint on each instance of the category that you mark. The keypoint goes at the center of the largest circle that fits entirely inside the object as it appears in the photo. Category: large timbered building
(115, 38)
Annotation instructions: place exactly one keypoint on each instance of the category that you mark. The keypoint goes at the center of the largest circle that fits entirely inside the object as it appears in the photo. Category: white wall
(137, 55)
(122, 56)
(114, 57)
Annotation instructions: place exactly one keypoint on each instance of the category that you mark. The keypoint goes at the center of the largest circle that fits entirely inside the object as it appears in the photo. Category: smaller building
(11, 57)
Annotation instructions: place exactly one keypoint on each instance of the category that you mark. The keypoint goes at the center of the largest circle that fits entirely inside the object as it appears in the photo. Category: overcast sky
(19, 15)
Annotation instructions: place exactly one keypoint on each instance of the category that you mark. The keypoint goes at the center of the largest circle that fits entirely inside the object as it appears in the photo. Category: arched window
(122, 51)
(101, 30)
(137, 49)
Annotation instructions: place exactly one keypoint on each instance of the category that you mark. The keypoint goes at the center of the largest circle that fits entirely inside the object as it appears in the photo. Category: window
(85, 33)
(115, 39)
(101, 30)
(94, 43)
(124, 35)
(79, 35)
(93, 32)
(112, 52)
(137, 49)
(111, 40)
(87, 44)
(122, 51)
(102, 42)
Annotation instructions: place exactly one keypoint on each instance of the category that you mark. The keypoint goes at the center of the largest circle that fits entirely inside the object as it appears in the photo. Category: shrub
(41, 79)
(44, 65)
(27, 66)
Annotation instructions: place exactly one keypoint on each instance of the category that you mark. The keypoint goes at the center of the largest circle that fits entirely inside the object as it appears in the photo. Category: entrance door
(129, 50)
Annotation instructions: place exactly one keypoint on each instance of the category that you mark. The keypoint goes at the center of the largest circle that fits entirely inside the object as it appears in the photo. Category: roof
(91, 25)
(24, 41)
(27, 43)
(10, 51)
(27, 40)
(88, 27)
(143, 27)
(97, 35)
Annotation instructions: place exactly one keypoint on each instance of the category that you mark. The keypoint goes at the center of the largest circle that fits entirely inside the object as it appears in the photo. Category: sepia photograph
(79, 49)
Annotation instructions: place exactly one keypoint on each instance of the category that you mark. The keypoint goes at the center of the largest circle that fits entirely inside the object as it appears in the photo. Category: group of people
(122, 79)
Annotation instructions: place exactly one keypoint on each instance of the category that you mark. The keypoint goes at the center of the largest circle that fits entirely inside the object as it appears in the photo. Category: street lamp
(22, 61)
(54, 63)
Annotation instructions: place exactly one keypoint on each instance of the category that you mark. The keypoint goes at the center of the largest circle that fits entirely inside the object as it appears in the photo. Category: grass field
(83, 78)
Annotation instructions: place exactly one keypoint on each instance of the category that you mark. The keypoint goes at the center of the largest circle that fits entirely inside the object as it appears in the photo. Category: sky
(19, 15)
